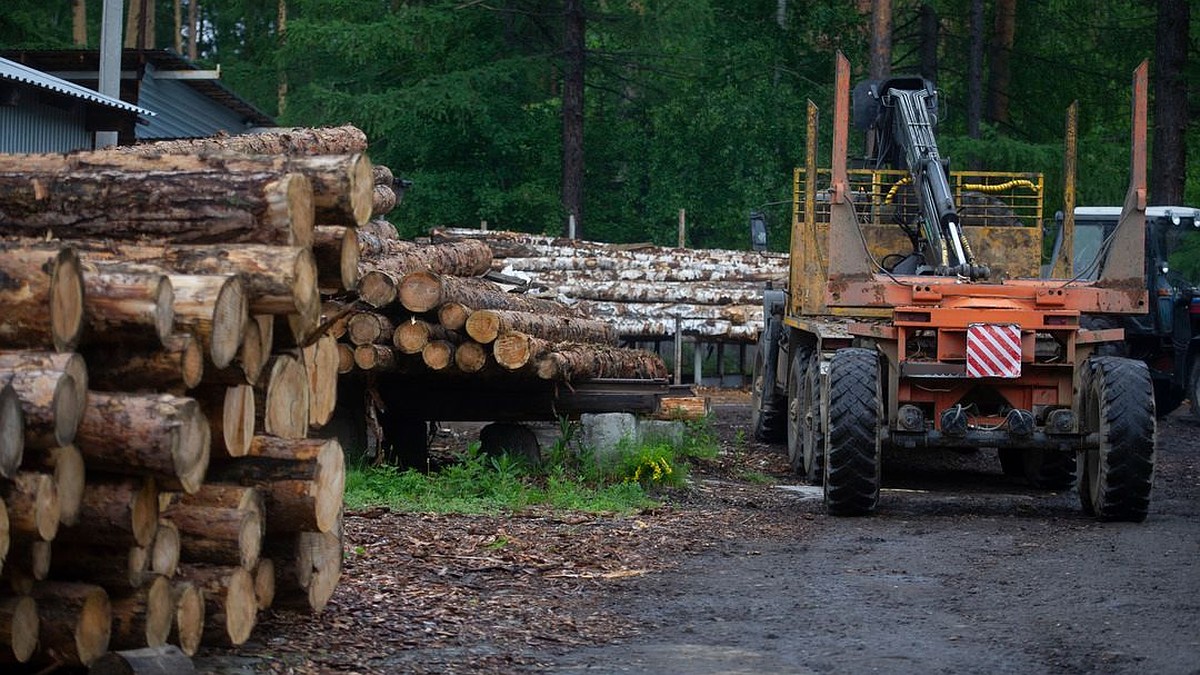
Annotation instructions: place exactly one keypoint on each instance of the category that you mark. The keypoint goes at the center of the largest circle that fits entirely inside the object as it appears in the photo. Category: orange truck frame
(855, 360)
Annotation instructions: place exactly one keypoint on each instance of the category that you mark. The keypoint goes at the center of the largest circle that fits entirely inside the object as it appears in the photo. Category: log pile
(645, 292)
(164, 367)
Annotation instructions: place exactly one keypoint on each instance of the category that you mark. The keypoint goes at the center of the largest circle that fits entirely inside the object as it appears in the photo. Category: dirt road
(959, 571)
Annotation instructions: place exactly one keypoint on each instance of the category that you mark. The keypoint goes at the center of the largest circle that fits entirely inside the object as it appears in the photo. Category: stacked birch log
(162, 363)
(644, 292)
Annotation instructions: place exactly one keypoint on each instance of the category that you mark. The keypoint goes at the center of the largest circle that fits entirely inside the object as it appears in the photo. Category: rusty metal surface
(1125, 263)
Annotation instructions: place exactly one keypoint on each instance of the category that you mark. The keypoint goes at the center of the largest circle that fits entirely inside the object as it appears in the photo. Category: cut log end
(228, 323)
(191, 362)
(241, 606)
(349, 259)
(94, 628)
(362, 189)
(66, 301)
(164, 309)
(300, 210)
(285, 412)
(164, 554)
(264, 583)
(12, 431)
(189, 617)
(420, 291)
(69, 478)
(192, 451)
(377, 289)
(67, 411)
(306, 288)
(330, 486)
(251, 355)
(237, 420)
(20, 612)
(143, 513)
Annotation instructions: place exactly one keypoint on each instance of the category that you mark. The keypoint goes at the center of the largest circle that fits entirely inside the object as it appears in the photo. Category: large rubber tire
(814, 434)
(1118, 475)
(852, 440)
(767, 409)
(796, 381)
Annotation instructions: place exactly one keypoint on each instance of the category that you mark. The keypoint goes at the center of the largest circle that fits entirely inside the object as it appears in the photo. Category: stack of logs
(645, 292)
(163, 363)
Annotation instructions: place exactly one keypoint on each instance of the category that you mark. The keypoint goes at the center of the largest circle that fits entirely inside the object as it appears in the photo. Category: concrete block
(603, 432)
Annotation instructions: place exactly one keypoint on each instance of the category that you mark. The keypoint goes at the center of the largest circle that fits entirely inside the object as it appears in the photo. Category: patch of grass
(756, 477)
(568, 478)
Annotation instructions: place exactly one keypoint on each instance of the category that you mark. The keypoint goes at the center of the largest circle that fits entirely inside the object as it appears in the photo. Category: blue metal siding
(42, 128)
(182, 111)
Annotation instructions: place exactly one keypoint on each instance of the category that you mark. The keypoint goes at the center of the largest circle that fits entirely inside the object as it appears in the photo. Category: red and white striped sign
(993, 350)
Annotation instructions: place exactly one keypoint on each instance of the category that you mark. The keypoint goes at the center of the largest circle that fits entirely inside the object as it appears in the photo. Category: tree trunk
(214, 309)
(219, 535)
(113, 567)
(301, 481)
(142, 617)
(470, 356)
(380, 358)
(411, 336)
(465, 258)
(165, 551)
(425, 291)
(28, 563)
(231, 609)
(515, 350)
(31, 499)
(116, 511)
(79, 32)
(42, 296)
(321, 364)
(174, 368)
(572, 362)
(76, 621)
(383, 200)
(120, 307)
(50, 397)
(197, 201)
(929, 42)
(160, 434)
(284, 406)
(438, 354)
(453, 315)
(574, 50)
(308, 567)
(485, 325)
(342, 140)
(366, 328)
(231, 415)
(975, 72)
(382, 175)
(65, 465)
(19, 625)
(1000, 60)
(187, 631)
(157, 660)
(336, 250)
(1168, 162)
(881, 40)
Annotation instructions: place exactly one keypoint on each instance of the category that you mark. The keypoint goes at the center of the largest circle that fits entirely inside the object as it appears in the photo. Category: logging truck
(914, 317)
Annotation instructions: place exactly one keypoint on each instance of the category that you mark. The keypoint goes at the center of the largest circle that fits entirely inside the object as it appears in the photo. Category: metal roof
(16, 72)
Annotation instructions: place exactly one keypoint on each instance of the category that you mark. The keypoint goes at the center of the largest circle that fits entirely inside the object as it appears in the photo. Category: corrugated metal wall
(182, 111)
(35, 127)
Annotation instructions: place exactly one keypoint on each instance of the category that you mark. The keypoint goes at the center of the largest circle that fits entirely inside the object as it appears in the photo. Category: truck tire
(797, 381)
(852, 438)
(1117, 476)
(814, 433)
(767, 409)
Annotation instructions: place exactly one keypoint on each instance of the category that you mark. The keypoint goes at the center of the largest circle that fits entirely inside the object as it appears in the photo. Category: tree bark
(425, 291)
(231, 610)
(929, 42)
(881, 39)
(122, 307)
(219, 535)
(76, 621)
(342, 140)
(116, 511)
(572, 362)
(301, 480)
(50, 398)
(162, 435)
(142, 617)
(42, 294)
(231, 415)
(197, 200)
(1168, 162)
(975, 71)
(65, 465)
(383, 200)
(515, 350)
(19, 625)
(308, 567)
(336, 250)
(465, 258)
(32, 501)
(367, 327)
(126, 368)
(113, 567)
(485, 325)
(1000, 58)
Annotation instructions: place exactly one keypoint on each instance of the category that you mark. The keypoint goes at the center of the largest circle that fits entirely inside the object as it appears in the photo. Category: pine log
(424, 291)
(515, 350)
(28, 562)
(453, 315)
(380, 358)
(378, 288)
(127, 367)
(164, 553)
(379, 227)
(49, 394)
(308, 567)
(297, 141)
(301, 480)
(382, 175)
(42, 294)
(321, 364)
(336, 250)
(485, 325)
(32, 502)
(141, 617)
(231, 610)
(266, 333)
(411, 336)
(65, 465)
(117, 511)
(230, 412)
(335, 317)
(160, 660)
(461, 259)
(5, 535)
(470, 356)
(188, 628)
(438, 354)
(110, 566)
(345, 354)
(75, 621)
(216, 535)
(578, 361)
(12, 430)
(102, 195)
(264, 583)
(383, 200)
(19, 626)
(121, 307)
(284, 405)
(366, 328)
(214, 309)
(163, 435)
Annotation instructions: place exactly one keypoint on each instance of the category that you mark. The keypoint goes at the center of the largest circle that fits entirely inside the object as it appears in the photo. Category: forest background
(623, 112)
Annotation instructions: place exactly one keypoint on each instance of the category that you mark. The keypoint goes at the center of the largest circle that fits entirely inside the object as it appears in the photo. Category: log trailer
(914, 317)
